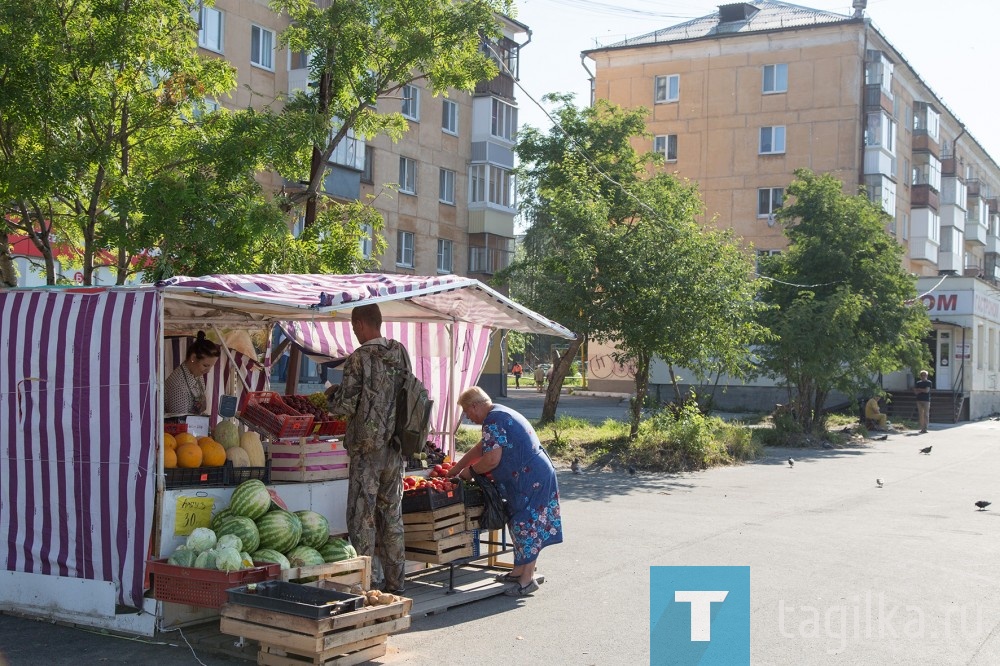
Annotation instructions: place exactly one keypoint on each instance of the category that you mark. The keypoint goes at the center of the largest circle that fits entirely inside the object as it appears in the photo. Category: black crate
(426, 499)
(294, 599)
(185, 477)
(241, 474)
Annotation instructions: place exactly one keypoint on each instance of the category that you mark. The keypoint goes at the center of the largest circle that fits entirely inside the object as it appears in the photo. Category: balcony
(949, 166)
(499, 86)
(922, 141)
(973, 185)
(924, 196)
(925, 234)
(975, 233)
(487, 260)
(876, 98)
(951, 250)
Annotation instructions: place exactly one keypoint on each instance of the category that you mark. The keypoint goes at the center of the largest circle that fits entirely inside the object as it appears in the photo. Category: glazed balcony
(924, 196)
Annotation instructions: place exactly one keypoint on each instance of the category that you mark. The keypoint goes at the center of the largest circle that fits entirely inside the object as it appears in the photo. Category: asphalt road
(842, 572)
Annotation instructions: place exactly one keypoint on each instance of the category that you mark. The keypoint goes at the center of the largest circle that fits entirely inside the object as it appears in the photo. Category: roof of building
(736, 18)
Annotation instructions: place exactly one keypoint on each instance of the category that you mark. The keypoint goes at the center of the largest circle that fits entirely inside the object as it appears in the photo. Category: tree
(844, 309)
(365, 50)
(615, 253)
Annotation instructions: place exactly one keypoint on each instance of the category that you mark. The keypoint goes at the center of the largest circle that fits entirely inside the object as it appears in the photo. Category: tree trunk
(641, 386)
(8, 272)
(559, 372)
(673, 382)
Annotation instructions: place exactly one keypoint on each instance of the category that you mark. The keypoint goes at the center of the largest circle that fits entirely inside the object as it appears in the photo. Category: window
(880, 130)
(504, 121)
(926, 120)
(411, 102)
(667, 88)
(769, 200)
(444, 256)
(366, 241)
(666, 145)
(772, 140)
(491, 184)
(446, 187)
(210, 29)
(262, 47)
(449, 117)
(407, 175)
(368, 172)
(775, 78)
(404, 249)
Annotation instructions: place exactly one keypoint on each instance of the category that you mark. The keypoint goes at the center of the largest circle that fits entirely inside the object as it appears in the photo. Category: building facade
(741, 98)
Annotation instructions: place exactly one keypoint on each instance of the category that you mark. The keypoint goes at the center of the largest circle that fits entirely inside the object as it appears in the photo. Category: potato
(385, 599)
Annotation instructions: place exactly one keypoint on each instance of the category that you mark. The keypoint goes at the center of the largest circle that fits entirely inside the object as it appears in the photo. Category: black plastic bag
(496, 512)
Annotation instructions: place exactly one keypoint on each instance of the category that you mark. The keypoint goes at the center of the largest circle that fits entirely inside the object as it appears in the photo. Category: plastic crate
(175, 428)
(331, 428)
(203, 587)
(184, 477)
(426, 499)
(473, 495)
(241, 474)
(294, 599)
(267, 411)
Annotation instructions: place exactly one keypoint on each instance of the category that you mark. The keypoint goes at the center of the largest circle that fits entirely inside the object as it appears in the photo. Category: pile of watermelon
(268, 533)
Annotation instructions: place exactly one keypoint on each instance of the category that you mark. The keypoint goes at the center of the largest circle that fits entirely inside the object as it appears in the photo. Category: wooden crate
(308, 460)
(356, 571)
(433, 525)
(472, 514)
(291, 640)
(440, 551)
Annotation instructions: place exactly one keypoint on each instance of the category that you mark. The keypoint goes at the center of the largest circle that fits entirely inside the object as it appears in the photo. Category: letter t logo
(701, 610)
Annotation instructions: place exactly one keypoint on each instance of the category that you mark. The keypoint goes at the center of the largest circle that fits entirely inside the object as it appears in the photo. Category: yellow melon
(169, 458)
(189, 455)
(213, 454)
(185, 438)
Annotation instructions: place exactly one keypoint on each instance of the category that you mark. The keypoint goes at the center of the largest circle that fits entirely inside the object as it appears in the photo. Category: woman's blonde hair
(473, 395)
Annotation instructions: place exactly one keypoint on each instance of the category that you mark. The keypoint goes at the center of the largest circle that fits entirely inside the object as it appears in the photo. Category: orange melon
(168, 441)
(213, 453)
(169, 458)
(185, 438)
(189, 455)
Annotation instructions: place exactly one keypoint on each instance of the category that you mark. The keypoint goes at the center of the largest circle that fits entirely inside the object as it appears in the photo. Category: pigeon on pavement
(631, 470)
(881, 439)
(982, 504)
(926, 450)
(827, 445)
(575, 467)
(791, 462)
(879, 482)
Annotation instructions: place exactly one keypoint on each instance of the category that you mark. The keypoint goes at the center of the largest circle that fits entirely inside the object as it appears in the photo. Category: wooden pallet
(349, 638)
(472, 514)
(434, 525)
(355, 572)
(440, 551)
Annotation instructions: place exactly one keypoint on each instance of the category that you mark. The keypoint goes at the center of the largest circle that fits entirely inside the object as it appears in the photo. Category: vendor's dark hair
(203, 347)
(370, 314)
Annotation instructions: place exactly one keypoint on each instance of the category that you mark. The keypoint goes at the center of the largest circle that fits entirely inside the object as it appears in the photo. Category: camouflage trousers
(375, 513)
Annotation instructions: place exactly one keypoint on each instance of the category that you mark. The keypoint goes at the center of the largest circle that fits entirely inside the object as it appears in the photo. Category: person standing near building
(367, 398)
(922, 388)
(517, 371)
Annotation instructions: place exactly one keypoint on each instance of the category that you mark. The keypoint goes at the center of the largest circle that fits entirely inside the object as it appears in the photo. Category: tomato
(439, 469)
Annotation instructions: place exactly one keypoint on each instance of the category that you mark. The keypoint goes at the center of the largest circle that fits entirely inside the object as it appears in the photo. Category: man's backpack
(413, 415)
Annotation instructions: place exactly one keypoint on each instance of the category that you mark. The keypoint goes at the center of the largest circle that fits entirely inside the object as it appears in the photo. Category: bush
(682, 438)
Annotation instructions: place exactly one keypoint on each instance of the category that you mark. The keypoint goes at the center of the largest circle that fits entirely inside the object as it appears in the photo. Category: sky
(951, 44)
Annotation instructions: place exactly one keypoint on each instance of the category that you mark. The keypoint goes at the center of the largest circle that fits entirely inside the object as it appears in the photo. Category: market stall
(83, 502)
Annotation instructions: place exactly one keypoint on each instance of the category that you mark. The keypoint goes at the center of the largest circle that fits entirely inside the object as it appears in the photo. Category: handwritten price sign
(192, 512)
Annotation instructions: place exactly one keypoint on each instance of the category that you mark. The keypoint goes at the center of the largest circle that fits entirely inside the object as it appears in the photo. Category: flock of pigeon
(981, 504)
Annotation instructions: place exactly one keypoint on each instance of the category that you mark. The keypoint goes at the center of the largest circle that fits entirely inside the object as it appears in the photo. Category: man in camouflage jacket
(367, 398)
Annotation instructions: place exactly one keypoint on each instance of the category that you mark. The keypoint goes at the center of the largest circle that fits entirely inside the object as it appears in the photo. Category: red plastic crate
(175, 428)
(266, 410)
(203, 587)
(331, 428)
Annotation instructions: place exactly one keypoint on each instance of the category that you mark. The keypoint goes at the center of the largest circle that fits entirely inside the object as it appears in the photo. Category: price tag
(192, 512)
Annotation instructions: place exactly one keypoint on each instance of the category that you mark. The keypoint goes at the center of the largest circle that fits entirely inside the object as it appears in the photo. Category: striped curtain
(429, 346)
(78, 422)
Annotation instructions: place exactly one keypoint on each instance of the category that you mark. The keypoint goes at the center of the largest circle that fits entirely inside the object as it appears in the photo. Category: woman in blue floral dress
(513, 456)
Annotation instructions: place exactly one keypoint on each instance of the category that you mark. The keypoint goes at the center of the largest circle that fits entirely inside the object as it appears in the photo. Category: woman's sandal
(519, 590)
(507, 578)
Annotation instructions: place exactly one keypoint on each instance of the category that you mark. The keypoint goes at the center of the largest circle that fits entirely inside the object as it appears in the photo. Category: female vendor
(184, 390)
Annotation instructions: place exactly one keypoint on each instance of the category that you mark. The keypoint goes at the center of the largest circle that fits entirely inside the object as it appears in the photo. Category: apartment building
(742, 97)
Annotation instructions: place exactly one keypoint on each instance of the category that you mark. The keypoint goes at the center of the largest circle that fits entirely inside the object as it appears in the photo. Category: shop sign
(963, 350)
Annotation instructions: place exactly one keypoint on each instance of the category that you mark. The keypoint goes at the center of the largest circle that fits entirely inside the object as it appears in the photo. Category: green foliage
(843, 310)
(685, 439)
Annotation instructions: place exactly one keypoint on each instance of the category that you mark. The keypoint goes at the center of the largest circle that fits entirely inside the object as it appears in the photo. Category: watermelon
(242, 527)
(219, 517)
(304, 556)
(315, 528)
(271, 555)
(279, 530)
(250, 499)
(335, 550)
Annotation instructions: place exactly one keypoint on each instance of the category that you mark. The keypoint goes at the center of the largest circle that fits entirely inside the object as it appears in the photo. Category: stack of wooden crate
(437, 536)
